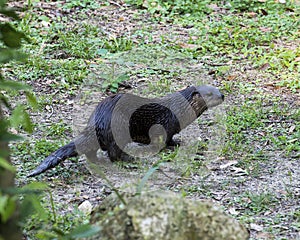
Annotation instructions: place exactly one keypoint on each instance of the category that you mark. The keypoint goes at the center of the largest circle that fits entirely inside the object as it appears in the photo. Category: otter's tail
(55, 158)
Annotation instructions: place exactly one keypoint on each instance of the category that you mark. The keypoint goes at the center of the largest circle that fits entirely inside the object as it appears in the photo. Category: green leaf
(122, 78)
(115, 85)
(7, 137)
(4, 135)
(9, 13)
(101, 52)
(4, 100)
(7, 55)
(12, 85)
(27, 124)
(3, 3)
(20, 117)
(105, 85)
(83, 231)
(36, 186)
(32, 204)
(32, 100)
(6, 165)
(7, 207)
(145, 178)
(10, 36)
(16, 118)
(113, 90)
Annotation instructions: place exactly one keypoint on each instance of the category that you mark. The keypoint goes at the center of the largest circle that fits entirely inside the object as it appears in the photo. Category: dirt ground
(217, 179)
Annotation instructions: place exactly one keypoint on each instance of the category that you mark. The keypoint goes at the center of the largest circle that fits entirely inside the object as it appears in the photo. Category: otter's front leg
(173, 143)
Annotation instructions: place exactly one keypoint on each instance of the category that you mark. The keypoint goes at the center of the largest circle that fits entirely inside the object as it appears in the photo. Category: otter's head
(211, 95)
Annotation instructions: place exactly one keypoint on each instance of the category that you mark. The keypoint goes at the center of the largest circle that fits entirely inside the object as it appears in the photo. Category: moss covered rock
(165, 216)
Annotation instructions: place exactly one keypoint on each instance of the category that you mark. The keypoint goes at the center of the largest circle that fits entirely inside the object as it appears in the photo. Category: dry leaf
(239, 171)
(264, 66)
(233, 211)
(188, 46)
(292, 128)
(85, 197)
(214, 7)
(231, 77)
(14, 131)
(265, 29)
(297, 59)
(263, 236)
(256, 227)
(252, 14)
(230, 163)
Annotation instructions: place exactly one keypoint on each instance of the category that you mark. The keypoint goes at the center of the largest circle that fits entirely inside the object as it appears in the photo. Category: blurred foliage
(12, 214)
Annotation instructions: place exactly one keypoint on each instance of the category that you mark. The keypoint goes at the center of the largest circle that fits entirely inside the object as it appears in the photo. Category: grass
(229, 40)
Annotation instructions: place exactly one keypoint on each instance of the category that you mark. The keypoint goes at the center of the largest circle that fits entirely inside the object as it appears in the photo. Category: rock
(86, 207)
(164, 216)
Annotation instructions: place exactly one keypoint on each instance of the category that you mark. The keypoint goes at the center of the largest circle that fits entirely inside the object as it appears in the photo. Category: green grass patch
(254, 203)
(258, 126)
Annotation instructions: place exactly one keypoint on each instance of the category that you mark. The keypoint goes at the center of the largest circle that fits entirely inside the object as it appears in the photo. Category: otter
(124, 118)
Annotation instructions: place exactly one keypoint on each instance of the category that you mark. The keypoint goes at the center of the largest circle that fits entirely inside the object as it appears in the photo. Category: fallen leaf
(263, 236)
(265, 29)
(214, 7)
(239, 171)
(188, 45)
(267, 213)
(14, 131)
(233, 211)
(252, 14)
(231, 77)
(297, 59)
(85, 197)
(218, 195)
(230, 163)
(256, 227)
(292, 128)
(264, 66)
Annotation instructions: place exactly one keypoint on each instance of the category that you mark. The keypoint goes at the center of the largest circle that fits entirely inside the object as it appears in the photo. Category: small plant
(262, 7)
(47, 223)
(173, 7)
(70, 4)
(261, 202)
(118, 44)
(113, 80)
(78, 45)
(58, 129)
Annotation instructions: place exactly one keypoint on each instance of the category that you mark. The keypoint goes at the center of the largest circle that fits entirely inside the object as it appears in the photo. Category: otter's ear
(196, 93)
(183, 88)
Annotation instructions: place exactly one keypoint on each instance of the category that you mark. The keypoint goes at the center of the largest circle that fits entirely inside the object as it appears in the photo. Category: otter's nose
(222, 96)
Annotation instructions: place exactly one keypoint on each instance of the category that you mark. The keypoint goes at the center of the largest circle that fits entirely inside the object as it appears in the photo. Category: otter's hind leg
(92, 156)
(115, 153)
